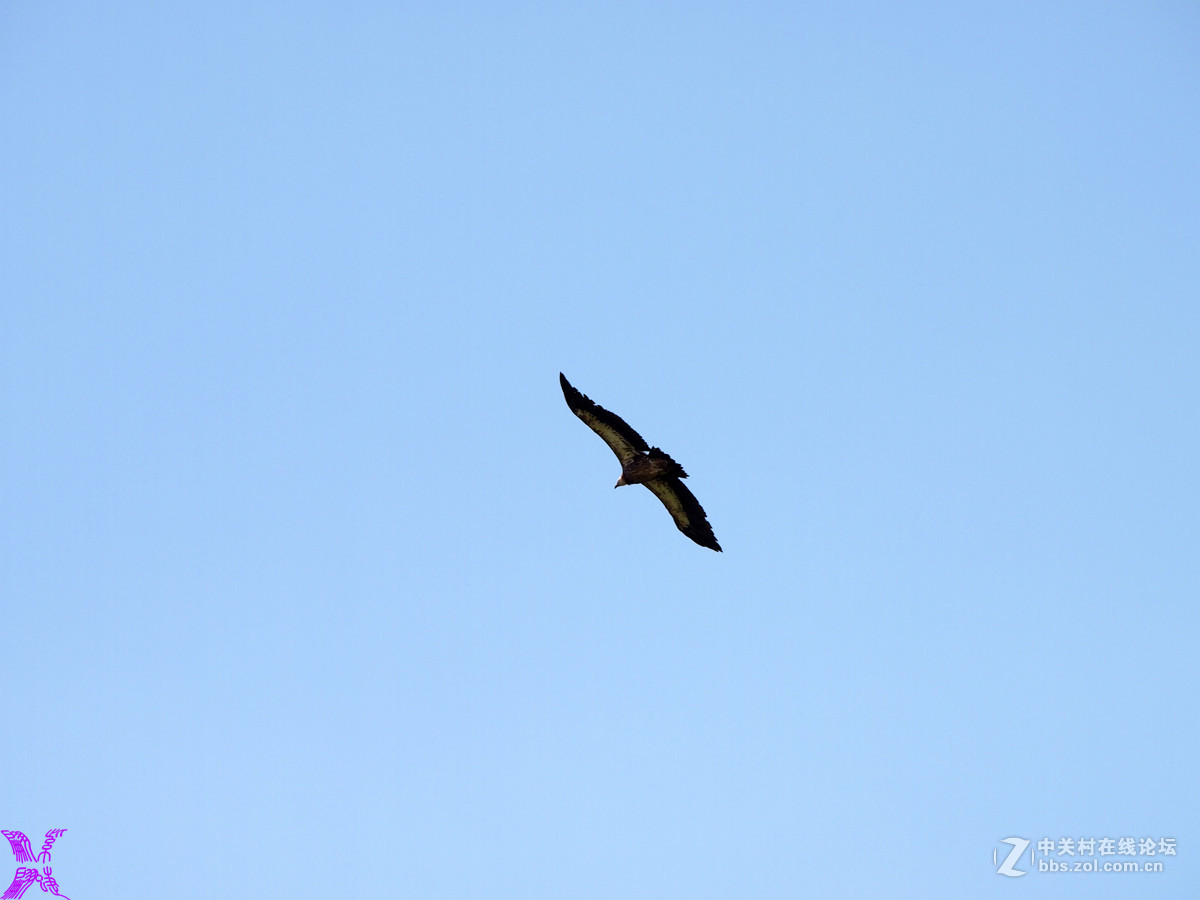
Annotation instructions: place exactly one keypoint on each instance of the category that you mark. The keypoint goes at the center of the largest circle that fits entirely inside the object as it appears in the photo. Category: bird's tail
(676, 469)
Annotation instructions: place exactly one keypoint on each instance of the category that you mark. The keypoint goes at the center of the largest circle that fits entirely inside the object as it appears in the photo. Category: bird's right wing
(685, 509)
(623, 440)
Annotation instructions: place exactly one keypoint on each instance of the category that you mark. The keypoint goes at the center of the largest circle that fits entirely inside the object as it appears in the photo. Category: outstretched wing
(20, 845)
(685, 509)
(624, 441)
(20, 883)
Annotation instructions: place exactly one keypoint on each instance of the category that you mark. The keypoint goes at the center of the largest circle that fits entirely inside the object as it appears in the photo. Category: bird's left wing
(623, 440)
(685, 509)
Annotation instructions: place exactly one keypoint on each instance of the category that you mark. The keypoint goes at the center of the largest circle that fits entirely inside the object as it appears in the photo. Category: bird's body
(643, 464)
(644, 467)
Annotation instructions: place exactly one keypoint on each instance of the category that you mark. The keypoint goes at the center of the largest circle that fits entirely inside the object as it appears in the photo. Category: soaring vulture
(641, 464)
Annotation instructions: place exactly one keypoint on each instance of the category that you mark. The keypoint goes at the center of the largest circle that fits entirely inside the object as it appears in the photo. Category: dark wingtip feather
(568, 392)
(701, 532)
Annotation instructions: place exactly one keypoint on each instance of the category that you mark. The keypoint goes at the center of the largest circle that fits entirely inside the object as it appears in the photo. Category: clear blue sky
(312, 585)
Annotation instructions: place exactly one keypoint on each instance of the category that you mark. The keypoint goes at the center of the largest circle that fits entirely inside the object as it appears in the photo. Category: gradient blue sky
(312, 586)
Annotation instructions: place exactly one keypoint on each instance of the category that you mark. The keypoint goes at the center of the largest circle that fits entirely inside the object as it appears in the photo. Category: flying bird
(643, 464)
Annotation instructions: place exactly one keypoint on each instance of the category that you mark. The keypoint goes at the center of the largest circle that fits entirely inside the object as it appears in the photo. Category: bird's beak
(620, 481)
